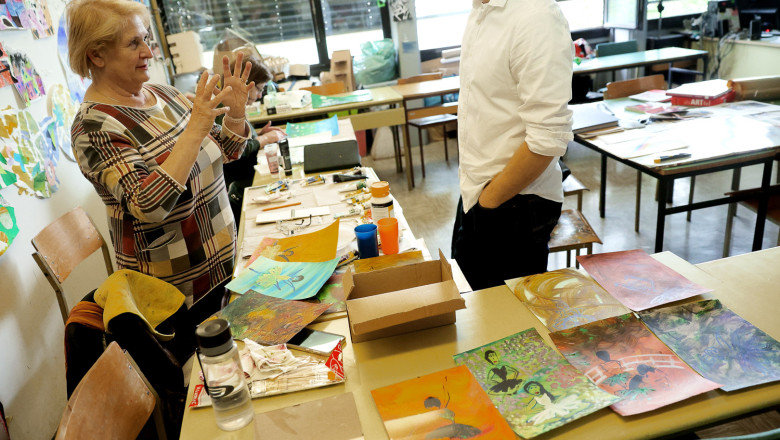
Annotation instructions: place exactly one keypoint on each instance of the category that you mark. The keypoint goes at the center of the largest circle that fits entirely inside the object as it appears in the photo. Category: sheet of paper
(281, 279)
(331, 418)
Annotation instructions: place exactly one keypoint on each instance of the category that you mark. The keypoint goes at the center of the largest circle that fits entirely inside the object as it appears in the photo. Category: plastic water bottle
(270, 98)
(218, 356)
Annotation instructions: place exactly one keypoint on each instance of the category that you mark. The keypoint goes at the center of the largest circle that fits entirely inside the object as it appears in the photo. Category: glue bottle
(223, 376)
(270, 98)
(381, 201)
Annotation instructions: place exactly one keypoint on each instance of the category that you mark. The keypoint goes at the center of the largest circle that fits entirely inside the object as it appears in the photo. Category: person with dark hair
(502, 377)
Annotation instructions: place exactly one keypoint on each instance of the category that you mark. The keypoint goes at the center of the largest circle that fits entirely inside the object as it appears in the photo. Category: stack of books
(702, 94)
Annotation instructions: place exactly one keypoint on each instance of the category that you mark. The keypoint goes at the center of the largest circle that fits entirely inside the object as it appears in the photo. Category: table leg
(705, 67)
(732, 211)
(603, 186)
(763, 201)
(399, 167)
(661, 219)
(408, 152)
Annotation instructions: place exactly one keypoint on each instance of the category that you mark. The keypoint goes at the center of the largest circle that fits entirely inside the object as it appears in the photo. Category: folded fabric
(128, 291)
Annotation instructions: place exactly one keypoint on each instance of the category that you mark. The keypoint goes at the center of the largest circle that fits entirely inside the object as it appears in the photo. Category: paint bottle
(381, 201)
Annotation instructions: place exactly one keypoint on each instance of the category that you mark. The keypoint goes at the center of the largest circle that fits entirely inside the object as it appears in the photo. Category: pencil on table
(282, 206)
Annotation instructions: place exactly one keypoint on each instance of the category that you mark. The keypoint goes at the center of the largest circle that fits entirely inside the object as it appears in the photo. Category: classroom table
(495, 313)
(666, 55)
(421, 90)
(715, 143)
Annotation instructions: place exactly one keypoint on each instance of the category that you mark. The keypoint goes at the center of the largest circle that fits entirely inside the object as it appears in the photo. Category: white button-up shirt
(515, 83)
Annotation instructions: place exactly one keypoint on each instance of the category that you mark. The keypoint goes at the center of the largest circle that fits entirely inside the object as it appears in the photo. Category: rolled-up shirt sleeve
(541, 63)
(231, 144)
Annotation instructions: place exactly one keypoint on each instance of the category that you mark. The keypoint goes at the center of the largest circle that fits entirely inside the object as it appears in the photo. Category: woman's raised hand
(204, 106)
(236, 81)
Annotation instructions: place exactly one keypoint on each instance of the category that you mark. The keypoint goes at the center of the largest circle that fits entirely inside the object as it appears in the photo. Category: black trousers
(493, 245)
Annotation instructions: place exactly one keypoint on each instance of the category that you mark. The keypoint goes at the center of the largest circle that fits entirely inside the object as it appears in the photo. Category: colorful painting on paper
(48, 141)
(268, 320)
(293, 280)
(8, 124)
(31, 152)
(11, 12)
(387, 261)
(532, 386)
(565, 298)
(637, 280)
(717, 343)
(63, 110)
(27, 80)
(22, 152)
(5, 68)
(76, 84)
(332, 292)
(447, 404)
(624, 358)
(8, 226)
(315, 246)
(37, 18)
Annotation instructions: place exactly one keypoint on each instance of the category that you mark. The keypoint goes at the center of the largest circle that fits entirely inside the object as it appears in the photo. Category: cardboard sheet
(331, 418)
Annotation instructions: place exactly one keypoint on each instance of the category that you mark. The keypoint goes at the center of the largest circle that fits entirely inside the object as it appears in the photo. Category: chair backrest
(327, 89)
(616, 48)
(65, 243)
(621, 89)
(420, 78)
(113, 400)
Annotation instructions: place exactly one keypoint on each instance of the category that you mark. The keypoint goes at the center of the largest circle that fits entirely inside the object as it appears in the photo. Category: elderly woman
(154, 157)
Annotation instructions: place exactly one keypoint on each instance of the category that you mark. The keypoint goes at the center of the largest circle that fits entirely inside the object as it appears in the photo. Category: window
(676, 7)
(583, 14)
(281, 27)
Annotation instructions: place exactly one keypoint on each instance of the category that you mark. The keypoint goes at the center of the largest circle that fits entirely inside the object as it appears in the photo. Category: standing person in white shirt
(513, 125)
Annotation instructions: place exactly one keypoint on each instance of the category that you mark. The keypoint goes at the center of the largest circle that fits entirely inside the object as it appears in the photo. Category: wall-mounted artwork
(447, 404)
(637, 280)
(31, 152)
(20, 153)
(27, 80)
(532, 386)
(8, 147)
(76, 84)
(49, 142)
(5, 68)
(565, 298)
(624, 358)
(717, 343)
(293, 280)
(37, 18)
(11, 12)
(8, 227)
(62, 110)
(267, 320)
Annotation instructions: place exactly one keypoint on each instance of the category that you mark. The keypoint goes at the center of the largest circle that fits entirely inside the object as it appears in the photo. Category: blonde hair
(96, 25)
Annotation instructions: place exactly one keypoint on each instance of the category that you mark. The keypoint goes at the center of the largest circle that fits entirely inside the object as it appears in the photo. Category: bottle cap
(380, 189)
(214, 337)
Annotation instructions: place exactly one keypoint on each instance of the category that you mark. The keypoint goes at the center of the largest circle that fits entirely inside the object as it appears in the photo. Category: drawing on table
(624, 358)
(637, 280)
(565, 298)
(445, 404)
(315, 246)
(268, 320)
(541, 391)
(294, 280)
(717, 343)
(332, 292)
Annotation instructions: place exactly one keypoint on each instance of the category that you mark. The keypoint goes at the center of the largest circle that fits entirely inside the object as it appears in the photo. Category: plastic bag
(376, 62)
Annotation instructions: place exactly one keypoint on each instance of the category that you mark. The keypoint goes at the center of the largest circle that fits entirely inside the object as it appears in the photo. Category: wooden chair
(443, 115)
(572, 233)
(113, 400)
(333, 88)
(772, 212)
(62, 245)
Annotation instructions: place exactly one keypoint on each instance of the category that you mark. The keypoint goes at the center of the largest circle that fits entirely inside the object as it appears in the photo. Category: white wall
(32, 365)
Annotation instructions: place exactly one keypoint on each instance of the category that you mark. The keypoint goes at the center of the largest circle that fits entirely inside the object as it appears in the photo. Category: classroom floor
(430, 210)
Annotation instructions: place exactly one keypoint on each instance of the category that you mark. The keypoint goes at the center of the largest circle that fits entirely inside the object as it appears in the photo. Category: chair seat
(572, 232)
(773, 208)
(432, 121)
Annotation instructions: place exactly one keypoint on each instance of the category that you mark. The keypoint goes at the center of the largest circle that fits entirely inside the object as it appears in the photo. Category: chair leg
(727, 238)
(446, 154)
(638, 199)
(422, 159)
(568, 258)
(690, 197)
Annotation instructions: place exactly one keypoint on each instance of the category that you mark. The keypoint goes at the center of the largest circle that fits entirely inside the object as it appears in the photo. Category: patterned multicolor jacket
(184, 235)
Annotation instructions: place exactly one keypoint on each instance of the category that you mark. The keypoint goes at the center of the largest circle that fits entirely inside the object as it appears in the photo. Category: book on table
(655, 95)
(712, 89)
(592, 116)
(654, 108)
(703, 102)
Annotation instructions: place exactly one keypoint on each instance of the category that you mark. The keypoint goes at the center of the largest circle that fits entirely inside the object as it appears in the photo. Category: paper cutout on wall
(717, 343)
(5, 68)
(532, 386)
(76, 84)
(637, 280)
(267, 320)
(447, 404)
(8, 226)
(565, 298)
(51, 152)
(31, 150)
(37, 18)
(11, 12)
(8, 147)
(63, 110)
(293, 280)
(624, 358)
(27, 80)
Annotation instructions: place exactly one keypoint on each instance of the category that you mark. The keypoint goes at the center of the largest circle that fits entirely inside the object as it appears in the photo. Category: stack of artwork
(27, 14)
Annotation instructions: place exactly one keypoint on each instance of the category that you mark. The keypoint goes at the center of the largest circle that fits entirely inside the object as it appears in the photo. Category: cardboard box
(401, 299)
